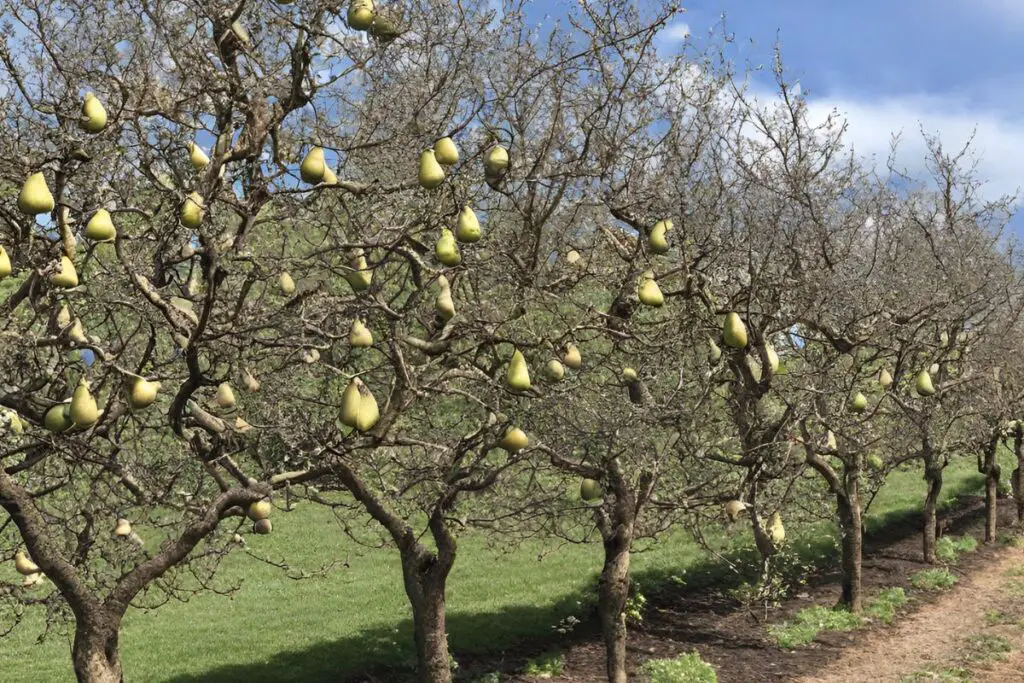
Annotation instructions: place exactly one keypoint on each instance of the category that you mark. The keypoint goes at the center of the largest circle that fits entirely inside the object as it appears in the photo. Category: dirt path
(960, 630)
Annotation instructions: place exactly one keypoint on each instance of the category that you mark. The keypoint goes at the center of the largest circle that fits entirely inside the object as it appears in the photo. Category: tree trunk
(613, 593)
(425, 578)
(990, 468)
(933, 475)
(1018, 474)
(851, 528)
(96, 655)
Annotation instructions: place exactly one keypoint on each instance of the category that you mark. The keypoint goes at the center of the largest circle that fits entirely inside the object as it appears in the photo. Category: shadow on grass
(503, 641)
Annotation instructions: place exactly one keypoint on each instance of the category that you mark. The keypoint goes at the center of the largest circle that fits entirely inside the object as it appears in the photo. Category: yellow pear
(58, 418)
(554, 370)
(734, 332)
(361, 275)
(518, 376)
(360, 336)
(35, 197)
(830, 441)
(310, 356)
(250, 382)
(94, 116)
(431, 174)
(192, 211)
(934, 369)
(351, 401)
(649, 292)
(944, 338)
(884, 378)
(13, 421)
(924, 385)
(83, 407)
(572, 358)
(123, 528)
(468, 228)
(225, 397)
(773, 358)
(859, 403)
(734, 508)
(330, 177)
(360, 14)
(263, 527)
(67, 277)
(446, 250)
(241, 426)
(197, 156)
(776, 532)
(446, 152)
(5, 264)
(590, 490)
(573, 257)
(77, 333)
(496, 161)
(714, 353)
(63, 317)
(240, 32)
(143, 393)
(33, 580)
(313, 166)
(658, 242)
(629, 375)
(261, 509)
(444, 305)
(369, 413)
(515, 440)
(100, 227)
(23, 565)
(286, 283)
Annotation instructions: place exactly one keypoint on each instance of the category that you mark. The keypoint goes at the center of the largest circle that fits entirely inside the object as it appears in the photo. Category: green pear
(35, 197)
(515, 440)
(94, 116)
(431, 174)
(351, 401)
(67, 277)
(496, 161)
(572, 357)
(446, 250)
(58, 418)
(313, 166)
(444, 305)
(369, 413)
(554, 370)
(468, 228)
(286, 283)
(13, 421)
(361, 275)
(360, 14)
(83, 407)
(924, 385)
(263, 527)
(859, 403)
(714, 353)
(658, 242)
(225, 397)
(884, 378)
(875, 462)
(590, 490)
(776, 532)
(100, 227)
(330, 178)
(261, 509)
(734, 332)
(143, 393)
(649, 292)
(629, 375)
(518, 376)
(192, 211)
(360, 336)
(197, 156)
(446, 152)
(383, 29)
(5, 264)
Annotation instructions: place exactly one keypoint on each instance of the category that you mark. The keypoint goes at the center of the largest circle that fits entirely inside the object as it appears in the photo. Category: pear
(875, 462)
(35, 197)
(629, 375)
(58, 418)
(63, 317)
(444, 305)
(197, 156)
(263, 527)
(944, 338)
(360, 277)
(286, 283)
(515, 440)
(496, 161)
(350, 403)
(773, 358)
(369, 413)
(572, 358)
(776, 532)
(468, 228)
(123, 528)
(431, 174)
(518, 376)
(590, 490)
(330, 177)
(23, 565)
(383, 29)
(734, 332)
(240, 32)
(714, 353)
(225, 397)
(360, 14)
(77, 333)
(445, 152)
(649, 292)
(360, 336)
(143, 393)
(100, 227)
(13, 421)
(250, 382)
(734, 508)
(313, 166)
(924, 385)
(261, 509)
(830, 441)
(5, 264)
(573, 257)
(859, 403)
(446, 250)
(94, 116)
(884, 378)
(33, 580)
(310, 356)
(68, 276)
(83, 407)
(554, 370)
(934, 369)
(241, 426)
(658, 241)
(192, 211)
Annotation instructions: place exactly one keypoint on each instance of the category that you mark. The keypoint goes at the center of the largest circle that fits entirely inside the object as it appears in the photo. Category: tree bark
(425, 585)
(95, 654)
(613, 592)
(1018, 474)
(990, 468)
(851, 528)
(930, 532)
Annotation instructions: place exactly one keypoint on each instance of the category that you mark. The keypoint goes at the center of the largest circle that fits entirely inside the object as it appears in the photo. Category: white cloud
(676, 31)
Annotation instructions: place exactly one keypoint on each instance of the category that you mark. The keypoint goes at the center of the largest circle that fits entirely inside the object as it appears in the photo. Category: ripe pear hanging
(468, 228)
(590, 490)
(94, 116)
(875, 462)
(734, 332)
(554, 371)
(67, 277)
(314, 166)
(35, 197)
(225, 397)
(192, 211)
(5, 264)
(734, 508)
(83, 407)
(77, 333)
(360, 336)
(830, 441)
(350, 403)
(286, 283)
(361, 275)
(100, 227)
(884, 378)
(573, 257)
(714, 353)
(446, 152)
(518, 376)
(924, 384)
(197, 156)
(649, 292)
(330, 178)
(360, 14)
(859, 403)
(431, 174)
(776, 532)
(444, 305)
(658, 242)
(143, 393)
(572, 357)
(773, 358)
(496, 161)
(58, 418)
(369, 413)
(123, 528)
(446, 250)
(515, 440)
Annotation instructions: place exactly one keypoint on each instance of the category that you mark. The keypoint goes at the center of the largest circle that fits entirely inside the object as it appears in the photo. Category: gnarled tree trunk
(930, 531)
(851, 529)
(425, 578)
(989, 466)
(613, 588)
(96, 654)
(1018, 474)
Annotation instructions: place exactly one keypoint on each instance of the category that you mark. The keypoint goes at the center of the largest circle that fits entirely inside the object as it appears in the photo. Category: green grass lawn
(318, 630)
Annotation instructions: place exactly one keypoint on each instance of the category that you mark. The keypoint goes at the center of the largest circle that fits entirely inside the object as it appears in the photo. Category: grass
(811, 621)
(984, 647)
(956, 674)
(689, 668)
(933, 579)
(546, 666)
(356, 618)
(949, 548)
(883, 606)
